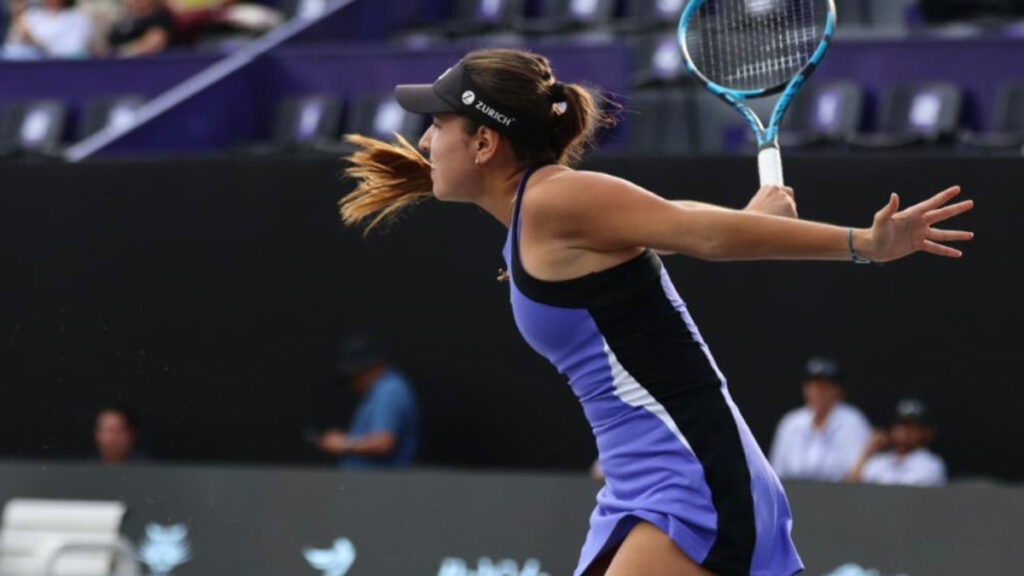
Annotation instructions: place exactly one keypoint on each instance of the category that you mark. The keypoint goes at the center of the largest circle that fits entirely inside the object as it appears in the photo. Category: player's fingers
(939, 199)
(950, 235)
(940, 250)
(946, 212)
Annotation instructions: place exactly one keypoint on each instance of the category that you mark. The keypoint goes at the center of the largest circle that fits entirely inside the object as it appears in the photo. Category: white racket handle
(769, 165)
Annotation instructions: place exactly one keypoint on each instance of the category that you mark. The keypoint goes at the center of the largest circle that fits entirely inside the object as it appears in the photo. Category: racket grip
(769, 166)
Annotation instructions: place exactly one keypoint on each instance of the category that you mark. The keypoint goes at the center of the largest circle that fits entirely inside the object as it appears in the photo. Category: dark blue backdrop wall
(210, 295)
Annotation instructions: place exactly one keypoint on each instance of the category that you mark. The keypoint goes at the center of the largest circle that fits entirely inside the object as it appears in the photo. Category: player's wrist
(860, 245)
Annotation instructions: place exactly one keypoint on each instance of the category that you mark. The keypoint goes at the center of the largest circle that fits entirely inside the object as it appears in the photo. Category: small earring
(476, 161)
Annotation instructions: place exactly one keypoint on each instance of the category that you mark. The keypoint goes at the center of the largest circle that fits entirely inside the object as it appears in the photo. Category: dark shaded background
(210, 295)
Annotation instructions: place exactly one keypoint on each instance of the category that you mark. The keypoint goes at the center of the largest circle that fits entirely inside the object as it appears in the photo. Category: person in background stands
(384, 430)
(823, 439)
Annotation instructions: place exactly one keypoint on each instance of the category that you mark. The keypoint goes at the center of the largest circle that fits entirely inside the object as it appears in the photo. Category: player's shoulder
(562, 192)
(557, 184)
(559, 177)
(557, 196)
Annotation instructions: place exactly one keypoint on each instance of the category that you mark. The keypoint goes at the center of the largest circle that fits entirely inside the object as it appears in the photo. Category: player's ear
(486, 144)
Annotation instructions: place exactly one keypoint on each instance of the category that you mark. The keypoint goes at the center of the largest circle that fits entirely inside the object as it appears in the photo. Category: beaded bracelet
(853, 251)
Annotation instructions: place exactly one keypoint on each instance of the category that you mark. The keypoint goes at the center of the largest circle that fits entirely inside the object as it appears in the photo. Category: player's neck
(499, 193)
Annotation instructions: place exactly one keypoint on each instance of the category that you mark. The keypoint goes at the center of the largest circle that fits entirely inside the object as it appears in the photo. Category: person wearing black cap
(821, 440)
(384, 430)
(908, 461)
(687, 490)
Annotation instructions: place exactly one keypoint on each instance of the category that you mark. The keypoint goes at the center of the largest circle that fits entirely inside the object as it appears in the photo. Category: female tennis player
(688, 491)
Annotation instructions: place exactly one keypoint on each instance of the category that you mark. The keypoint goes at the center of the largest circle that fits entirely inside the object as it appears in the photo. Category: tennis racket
(745, 49)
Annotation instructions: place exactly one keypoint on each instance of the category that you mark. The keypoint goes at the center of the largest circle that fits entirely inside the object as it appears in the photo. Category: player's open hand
(896, 234)
(774, 200)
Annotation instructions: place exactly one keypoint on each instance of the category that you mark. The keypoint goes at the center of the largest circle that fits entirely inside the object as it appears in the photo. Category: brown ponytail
(577, 125)
(390, 177)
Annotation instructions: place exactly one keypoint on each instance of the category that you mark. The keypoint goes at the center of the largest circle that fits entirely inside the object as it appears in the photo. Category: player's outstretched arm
(600, 212)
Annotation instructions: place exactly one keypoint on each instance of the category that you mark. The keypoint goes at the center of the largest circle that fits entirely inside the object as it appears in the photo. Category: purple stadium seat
(307, 119)
(658, 60)
(824, 114)
(302, 124)
(380, 116)
(34, 127)
(476, 17)
(1007, 131)
(114, 111)
(895, 15)
(553, 16)
(646, 15)
(852, 13)
(661, 121)
(916, 115)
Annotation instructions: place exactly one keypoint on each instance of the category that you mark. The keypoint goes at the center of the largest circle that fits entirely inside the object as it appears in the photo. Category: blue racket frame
(766, 137)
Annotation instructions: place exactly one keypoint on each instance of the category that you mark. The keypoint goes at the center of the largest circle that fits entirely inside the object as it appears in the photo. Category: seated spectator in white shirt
(822, 440)
(55, 30)
(909, 462)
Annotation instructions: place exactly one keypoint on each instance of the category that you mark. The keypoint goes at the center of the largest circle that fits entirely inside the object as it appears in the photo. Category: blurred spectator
(909, 462)
(103, 14)
(117, 435)
(10, 11)
(197, 19)
(148, 29)
(384, 431)
(56, 29)
(823, 439)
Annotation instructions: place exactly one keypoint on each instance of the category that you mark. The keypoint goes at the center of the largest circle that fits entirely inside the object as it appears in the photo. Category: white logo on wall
(334, 561)
(855, 570)
(486, 567)
(164, 548)
(468, 97)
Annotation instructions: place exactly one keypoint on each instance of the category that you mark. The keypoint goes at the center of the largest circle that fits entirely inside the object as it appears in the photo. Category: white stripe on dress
(632, 393)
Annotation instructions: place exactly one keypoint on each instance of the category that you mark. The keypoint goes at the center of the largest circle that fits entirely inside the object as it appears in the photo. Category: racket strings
(754, 44)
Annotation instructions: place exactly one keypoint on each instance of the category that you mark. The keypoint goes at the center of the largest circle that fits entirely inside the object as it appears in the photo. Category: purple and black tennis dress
(674, 448)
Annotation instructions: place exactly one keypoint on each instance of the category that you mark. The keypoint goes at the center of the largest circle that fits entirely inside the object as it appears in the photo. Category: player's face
(450, 150)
